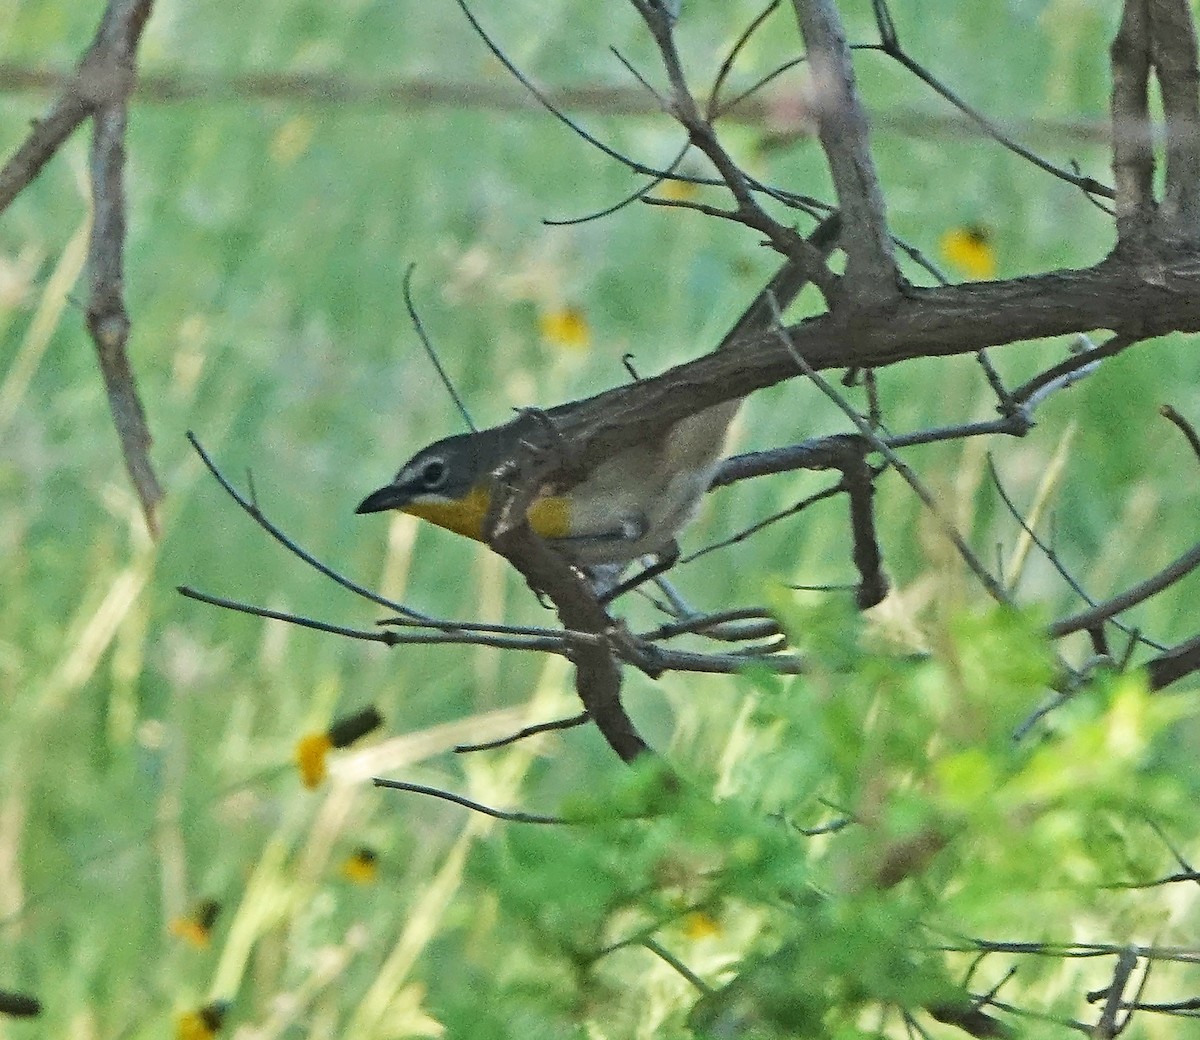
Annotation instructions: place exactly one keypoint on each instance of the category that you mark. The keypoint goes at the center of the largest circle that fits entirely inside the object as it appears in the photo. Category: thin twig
(890, 45)
(1072, 368)
(537, 631)
(832, 827)
(1052, 556)
(703, 623)
(990, 584)
(260, 518)
(753, 529)
(1152, 586)
(664, 954)
(632, 197)
(555, 645)
(1185, 427)
(1051, 705)
(685, 109)
(544, 99)
(635, 652)
(713, 106)
(512, 816)
(423, 336)
(523, 734)
(737, 102)
(1003, 397)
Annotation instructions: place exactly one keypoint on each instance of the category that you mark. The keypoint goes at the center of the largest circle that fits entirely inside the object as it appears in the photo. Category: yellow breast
(549, 517)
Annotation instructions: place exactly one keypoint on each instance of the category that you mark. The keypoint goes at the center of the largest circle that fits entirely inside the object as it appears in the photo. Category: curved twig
(511, 816)
(523, 734)
(1144, 590)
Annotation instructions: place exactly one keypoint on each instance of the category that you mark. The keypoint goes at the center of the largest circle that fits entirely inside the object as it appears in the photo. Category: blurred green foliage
(146, 741)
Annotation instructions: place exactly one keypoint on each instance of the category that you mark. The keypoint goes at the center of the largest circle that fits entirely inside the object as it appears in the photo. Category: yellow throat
(549, 517)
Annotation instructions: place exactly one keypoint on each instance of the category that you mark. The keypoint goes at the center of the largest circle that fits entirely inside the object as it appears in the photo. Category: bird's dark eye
(433, 474)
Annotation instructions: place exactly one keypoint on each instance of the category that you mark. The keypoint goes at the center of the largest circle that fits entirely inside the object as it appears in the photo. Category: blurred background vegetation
(146, 741)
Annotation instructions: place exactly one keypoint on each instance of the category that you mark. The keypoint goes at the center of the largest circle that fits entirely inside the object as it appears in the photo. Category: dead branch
(942, 321)
(597, 671)
(1175, 664)
(100, 89)
(407, 94)
(1173, 47)
(871, 273)
(1107, 1027)
(1133, 153)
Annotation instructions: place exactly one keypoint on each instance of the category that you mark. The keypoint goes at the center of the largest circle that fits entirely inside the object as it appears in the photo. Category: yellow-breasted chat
(630, 504)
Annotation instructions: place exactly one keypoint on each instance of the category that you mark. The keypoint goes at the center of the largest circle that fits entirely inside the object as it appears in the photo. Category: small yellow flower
(202, 1023)
(313, 749)
(701, 925)
(361, 866)
(196, 928)
(565, 327)
(970, 249)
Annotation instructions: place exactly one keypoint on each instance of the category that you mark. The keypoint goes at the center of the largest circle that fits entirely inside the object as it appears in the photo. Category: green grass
(146, 740)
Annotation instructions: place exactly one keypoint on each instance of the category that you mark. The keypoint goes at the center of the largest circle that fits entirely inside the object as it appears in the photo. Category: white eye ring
(433, 474)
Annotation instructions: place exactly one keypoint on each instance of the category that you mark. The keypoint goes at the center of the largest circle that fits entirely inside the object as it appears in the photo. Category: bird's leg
(664, 560)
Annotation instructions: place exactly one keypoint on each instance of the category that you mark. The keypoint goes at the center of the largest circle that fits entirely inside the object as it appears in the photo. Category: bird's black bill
(385, 498)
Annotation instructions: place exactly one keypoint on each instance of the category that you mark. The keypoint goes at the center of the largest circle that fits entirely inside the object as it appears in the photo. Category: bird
(629, 505)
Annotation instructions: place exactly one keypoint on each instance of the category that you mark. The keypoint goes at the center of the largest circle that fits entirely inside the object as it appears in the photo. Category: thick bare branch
(100, 89)
(1107, 1026)
(1133, 153)
(859, 478)
(597, 670)
(1173, 44)
(941, 321)
(43, 141)
(104, 75)
(107, 75)
(1179, 661)
(107, 319)
(871, 273)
